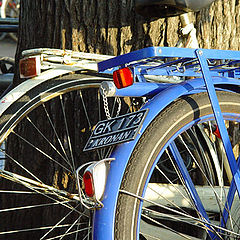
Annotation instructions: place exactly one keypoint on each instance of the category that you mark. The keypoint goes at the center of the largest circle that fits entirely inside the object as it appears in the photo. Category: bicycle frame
(207, 78)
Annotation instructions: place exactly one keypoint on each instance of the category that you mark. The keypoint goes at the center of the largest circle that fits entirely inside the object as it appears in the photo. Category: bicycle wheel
(156, 200)
(10, 9)
(44, 133)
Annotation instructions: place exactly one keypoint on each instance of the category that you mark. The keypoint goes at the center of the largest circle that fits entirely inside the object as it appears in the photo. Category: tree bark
(112, 27)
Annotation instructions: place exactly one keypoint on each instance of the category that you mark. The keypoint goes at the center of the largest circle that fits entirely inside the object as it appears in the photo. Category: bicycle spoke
(77, 231)
(85, 111)
(218, 197)
(55, 133)
(175, 188)
(173, 163)
(89, 231)
(31, 207)
(53, 147)
(69, 229)
(57, 224)
(68, 135)
(20, 165)
(37, 229)
(221, 204)
(43, 190)
(164, 227)
(16, 192)
(42, 152)
(34, 184)
(87, 117)
(38, 176)
(47, 141)
(194, 220)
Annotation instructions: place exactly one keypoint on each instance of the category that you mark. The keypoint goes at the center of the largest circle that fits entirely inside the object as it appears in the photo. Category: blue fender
(103, 221)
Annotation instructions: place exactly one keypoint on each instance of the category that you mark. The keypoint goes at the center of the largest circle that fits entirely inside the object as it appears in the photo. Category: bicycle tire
(21, 126)
(137, 215)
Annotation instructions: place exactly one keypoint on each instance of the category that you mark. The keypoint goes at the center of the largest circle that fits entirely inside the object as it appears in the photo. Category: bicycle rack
(171, 61)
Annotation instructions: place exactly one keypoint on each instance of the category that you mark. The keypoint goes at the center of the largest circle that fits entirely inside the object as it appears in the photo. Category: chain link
(119, 106)
(106, 106)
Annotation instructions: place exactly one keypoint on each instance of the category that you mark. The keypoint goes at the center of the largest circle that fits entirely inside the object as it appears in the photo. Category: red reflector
(123, 78)
(88, 183)
(29, 67)
(217, 133)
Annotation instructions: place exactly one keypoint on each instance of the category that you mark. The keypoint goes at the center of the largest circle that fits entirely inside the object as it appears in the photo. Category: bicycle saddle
(169, 8)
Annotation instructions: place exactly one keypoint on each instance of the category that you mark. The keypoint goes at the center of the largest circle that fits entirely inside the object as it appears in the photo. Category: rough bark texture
(112, 26)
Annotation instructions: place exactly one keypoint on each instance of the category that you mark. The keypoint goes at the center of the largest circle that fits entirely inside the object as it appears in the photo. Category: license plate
(116, 130)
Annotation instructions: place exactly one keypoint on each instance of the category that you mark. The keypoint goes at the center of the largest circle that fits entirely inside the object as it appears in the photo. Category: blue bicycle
(172, 112)
(168, 181)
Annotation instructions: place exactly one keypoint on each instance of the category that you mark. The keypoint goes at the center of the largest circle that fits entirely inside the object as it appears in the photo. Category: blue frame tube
(188, 180)
(190, 186)
(219, 118)
(103, 222)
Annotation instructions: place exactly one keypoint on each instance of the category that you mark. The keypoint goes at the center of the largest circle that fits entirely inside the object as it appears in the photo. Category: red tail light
(123, 78)
(30, 67)
(88, 184)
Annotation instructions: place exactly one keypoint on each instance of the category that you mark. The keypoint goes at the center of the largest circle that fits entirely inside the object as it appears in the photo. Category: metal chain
(119, 106)
(105, 104)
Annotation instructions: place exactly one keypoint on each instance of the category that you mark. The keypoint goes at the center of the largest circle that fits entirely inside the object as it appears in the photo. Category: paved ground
(7, 47)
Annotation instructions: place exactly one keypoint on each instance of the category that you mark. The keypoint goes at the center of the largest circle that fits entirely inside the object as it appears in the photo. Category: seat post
(188, 32)
(184, 18)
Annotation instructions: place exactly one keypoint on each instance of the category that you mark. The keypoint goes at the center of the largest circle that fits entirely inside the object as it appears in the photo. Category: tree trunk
(112, 27)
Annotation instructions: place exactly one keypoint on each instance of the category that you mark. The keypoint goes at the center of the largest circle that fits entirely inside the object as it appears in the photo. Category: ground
(7, 47)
